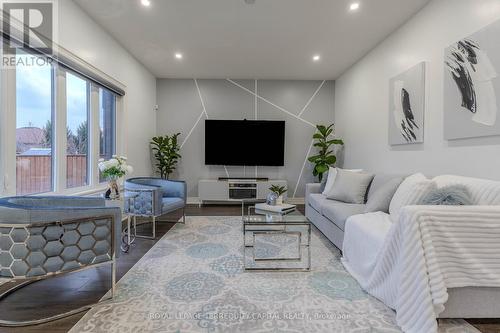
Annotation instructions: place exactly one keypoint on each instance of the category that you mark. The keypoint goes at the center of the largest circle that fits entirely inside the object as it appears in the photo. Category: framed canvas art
(407, 106)
(472, 85)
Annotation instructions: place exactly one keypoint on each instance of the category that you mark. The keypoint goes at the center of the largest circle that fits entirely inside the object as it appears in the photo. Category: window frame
(114, 131)
(8, 127)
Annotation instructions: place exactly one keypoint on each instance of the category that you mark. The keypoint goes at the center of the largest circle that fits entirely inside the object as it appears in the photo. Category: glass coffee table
(275, 242)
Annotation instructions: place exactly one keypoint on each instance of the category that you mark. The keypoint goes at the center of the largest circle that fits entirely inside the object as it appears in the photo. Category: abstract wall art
(472, 85)
(407, 106)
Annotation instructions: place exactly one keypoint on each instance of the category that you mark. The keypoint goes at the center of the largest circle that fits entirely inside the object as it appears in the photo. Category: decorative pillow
(350, 187)
(410, 192)
(380, 200)
(332, 173)
(453, 195)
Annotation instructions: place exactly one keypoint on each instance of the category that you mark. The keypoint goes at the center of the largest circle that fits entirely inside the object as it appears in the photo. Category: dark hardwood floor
(74, 290)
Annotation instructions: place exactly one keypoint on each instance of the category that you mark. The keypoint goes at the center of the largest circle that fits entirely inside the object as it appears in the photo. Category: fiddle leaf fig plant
(325, 157)
(166, 152)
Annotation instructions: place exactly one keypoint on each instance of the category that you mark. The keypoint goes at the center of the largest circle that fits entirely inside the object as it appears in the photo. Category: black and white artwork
(407, 105)
(471, 85)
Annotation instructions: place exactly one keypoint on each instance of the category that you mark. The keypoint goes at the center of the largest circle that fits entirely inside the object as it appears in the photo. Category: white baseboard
(193, 200)
(293, 201)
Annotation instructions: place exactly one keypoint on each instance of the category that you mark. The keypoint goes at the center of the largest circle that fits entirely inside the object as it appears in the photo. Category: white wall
(362, 97)
(83, 37)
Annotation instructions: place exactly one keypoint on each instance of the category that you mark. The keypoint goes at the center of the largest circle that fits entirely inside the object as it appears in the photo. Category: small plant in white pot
(279, 191)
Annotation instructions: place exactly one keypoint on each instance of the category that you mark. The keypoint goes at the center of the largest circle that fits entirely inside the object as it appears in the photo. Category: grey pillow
(380, 200)
(350, 187)
(453, 195)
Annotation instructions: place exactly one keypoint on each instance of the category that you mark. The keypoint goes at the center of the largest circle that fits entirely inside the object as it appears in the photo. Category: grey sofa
(329, 216)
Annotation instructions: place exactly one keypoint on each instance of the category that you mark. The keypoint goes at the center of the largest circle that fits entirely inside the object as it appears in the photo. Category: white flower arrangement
(115, 168)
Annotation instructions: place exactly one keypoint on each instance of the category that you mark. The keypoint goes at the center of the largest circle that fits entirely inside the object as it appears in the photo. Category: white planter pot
(279, 200)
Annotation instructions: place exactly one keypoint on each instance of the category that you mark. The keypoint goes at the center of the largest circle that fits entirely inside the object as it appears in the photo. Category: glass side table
(123, 202)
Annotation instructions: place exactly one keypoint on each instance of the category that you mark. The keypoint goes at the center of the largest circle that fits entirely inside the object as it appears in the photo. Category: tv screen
(245, 142)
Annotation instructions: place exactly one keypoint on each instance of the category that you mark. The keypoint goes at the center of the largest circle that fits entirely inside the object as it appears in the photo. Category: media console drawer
(234, 189)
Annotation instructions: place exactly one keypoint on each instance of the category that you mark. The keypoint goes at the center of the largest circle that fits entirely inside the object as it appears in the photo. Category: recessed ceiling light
(316, 57)
(146, 3)
(178, 56)
(354, 6)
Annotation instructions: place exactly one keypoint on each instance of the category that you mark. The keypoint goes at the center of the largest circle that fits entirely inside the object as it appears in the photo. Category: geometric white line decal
(192, 129)
(255, 111)
(271, 103)
(256, 98)
(201, 98)
(312, 97)
(199, 118)
(303, 167)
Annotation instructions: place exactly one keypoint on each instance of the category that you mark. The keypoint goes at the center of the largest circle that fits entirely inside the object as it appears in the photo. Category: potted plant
(113, 169)
(325, 157)
(166, 152)
(278, 192)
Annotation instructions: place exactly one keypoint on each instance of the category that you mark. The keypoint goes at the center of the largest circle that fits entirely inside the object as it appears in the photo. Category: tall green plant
(166, 151)
(325, 157)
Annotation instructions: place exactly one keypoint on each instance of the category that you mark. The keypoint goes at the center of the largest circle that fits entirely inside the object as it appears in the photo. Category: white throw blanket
(428, 250)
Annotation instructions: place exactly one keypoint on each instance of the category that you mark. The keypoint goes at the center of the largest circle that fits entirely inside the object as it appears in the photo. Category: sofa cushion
(380, 200)
(350, 187)
(316, 201)
(411, 192)
(338, 212)
(381, 179)
(326, 185)
(171, 204)
(483, 191)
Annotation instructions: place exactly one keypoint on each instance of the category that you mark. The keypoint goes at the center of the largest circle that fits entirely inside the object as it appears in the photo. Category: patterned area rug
(192, 280)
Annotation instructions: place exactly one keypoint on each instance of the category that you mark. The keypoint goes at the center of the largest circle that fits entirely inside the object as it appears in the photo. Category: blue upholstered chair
(155, 197)
(42, 237)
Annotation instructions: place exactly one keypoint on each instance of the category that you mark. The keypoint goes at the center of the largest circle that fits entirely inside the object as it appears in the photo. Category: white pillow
(332, 174)
(410, 192)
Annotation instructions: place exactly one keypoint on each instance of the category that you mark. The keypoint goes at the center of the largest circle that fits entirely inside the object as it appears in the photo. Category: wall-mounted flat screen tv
(245, 142)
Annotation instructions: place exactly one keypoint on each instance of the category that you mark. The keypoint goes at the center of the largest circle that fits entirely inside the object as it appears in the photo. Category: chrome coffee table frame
(257, 225)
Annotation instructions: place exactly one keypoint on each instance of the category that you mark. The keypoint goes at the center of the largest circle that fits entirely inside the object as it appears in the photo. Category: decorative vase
(271, 199)
(113, 191)
(279, 200)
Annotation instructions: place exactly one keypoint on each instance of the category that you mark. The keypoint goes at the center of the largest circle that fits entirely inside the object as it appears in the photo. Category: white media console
(228, 190)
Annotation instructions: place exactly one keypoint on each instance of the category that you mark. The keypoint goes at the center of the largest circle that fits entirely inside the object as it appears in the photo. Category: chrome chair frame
(20, 282)
(154, 218)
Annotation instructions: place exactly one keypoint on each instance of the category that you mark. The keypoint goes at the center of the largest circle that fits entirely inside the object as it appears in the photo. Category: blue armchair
(155, 197)
(42, 237)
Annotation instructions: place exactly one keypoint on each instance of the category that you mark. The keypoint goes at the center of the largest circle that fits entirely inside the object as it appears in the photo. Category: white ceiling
(270, 39)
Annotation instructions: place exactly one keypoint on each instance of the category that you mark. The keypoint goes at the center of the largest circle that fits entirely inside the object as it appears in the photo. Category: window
(77, 122)
(107, 120)
(34, 139)
(58, 140)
